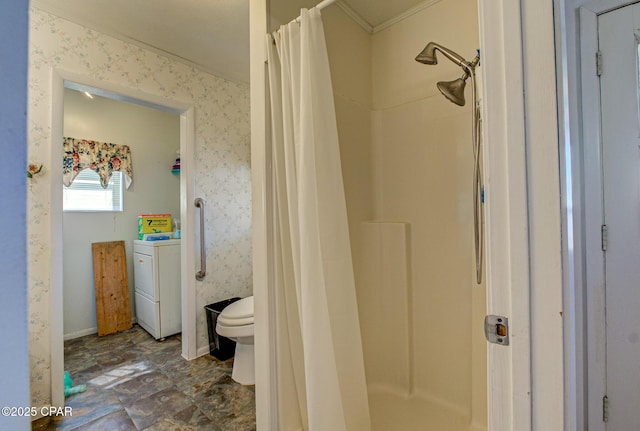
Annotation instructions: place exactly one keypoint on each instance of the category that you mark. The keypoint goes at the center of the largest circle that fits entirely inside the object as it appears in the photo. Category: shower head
(454, 90)
(428, 55)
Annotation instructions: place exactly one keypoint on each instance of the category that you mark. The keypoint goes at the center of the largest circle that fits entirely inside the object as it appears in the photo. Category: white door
(618, 33)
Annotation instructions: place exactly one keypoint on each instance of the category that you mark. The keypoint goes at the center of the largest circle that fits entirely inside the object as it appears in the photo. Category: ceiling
(211, 34)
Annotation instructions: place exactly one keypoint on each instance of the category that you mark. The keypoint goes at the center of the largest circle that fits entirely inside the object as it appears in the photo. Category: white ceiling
(211, 34)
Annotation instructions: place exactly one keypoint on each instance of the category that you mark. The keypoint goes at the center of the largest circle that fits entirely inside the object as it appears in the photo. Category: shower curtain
(319, 350)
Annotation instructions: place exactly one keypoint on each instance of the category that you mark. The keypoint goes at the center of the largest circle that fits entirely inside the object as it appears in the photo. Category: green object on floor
(69, 389)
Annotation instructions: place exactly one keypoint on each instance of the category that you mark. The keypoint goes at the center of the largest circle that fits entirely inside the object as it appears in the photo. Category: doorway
(612, 209)
(93, 214)
(61, 80)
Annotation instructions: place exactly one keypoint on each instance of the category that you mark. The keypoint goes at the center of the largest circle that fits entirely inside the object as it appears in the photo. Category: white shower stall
(407, 165)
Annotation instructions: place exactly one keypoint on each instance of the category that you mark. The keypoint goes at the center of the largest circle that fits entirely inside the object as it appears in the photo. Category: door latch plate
(496, 329)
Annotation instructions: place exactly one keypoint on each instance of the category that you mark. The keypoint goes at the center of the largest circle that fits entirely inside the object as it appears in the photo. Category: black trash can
(219, 346)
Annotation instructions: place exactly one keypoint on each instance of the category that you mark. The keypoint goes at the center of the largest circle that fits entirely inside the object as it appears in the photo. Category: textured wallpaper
(222, 164)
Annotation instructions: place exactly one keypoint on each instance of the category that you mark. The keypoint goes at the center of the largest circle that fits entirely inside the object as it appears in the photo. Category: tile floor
(137, 383)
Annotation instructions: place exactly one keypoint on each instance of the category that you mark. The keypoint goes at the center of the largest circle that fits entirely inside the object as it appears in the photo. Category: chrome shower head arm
(453, 56)
(470, 67)
(475, 61)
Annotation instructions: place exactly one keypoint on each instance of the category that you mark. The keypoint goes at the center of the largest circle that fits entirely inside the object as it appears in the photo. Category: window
(86, 193)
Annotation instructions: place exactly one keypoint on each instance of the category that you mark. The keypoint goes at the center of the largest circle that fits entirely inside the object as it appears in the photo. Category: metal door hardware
(496, 329)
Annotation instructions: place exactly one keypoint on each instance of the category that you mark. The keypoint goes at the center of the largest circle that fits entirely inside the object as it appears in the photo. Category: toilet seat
(240, 313)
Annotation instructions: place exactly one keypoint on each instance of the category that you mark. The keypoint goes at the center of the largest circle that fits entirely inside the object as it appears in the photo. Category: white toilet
(236, 322)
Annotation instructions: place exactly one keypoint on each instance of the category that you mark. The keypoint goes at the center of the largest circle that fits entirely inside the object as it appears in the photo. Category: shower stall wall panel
(428, 183)
(407, 165)
(349, 49)
(385, 312)
(423, 172)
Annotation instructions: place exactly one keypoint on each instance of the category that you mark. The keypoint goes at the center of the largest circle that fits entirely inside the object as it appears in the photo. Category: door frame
(261, 198)
(187, 213)
(593, 212)
(507, 251)
(525, 381)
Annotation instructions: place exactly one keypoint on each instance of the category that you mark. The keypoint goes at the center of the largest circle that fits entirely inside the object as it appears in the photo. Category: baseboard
(204, 350)
(89, 331)
(81, 333)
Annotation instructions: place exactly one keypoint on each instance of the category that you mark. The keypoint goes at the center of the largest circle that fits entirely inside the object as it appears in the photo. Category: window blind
(87, 194)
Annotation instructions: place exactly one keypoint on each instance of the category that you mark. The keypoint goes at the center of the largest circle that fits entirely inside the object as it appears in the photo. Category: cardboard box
(153, 223)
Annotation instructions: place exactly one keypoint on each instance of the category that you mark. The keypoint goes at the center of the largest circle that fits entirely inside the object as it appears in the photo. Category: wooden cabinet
(157, 286)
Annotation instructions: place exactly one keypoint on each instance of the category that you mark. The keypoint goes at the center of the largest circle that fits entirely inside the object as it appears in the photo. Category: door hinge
(605, 409)
(599, 63)
(604, 236)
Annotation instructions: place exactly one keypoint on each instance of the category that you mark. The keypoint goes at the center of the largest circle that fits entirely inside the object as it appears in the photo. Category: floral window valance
(102, 157)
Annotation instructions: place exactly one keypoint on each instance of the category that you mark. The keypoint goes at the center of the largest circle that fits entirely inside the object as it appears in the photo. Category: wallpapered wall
(221, 163)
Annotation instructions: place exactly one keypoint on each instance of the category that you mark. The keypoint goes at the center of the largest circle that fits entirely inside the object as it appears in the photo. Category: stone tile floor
(137, 383)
